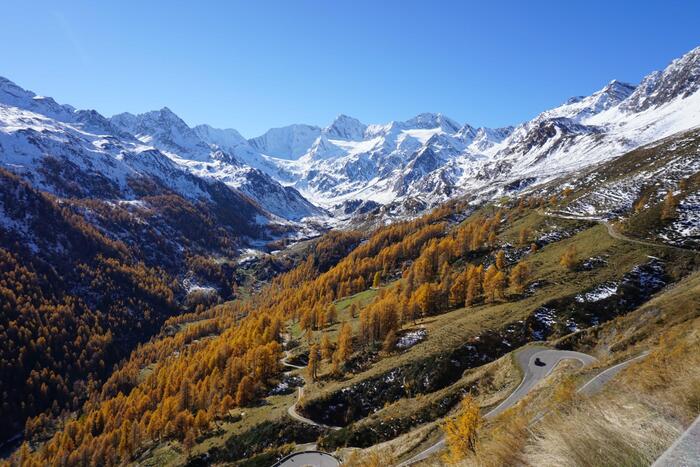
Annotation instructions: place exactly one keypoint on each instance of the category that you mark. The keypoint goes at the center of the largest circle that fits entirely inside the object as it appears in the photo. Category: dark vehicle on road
(539, 362)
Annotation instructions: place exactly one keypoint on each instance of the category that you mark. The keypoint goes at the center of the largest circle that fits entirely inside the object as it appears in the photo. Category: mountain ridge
(301, 170)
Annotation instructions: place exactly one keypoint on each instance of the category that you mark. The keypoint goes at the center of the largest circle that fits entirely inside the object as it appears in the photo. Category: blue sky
(254, 65)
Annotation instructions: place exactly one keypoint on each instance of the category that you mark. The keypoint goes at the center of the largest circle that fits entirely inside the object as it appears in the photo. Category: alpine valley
(165, 288)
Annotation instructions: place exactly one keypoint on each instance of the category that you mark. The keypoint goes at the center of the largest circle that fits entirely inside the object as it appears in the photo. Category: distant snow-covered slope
(129, 191)
(348, 167)
(154, 163)
(222, 155)
(431, 158)
(78, 152)
(288, 142)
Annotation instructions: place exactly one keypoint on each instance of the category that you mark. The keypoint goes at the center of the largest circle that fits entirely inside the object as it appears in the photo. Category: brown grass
(504, 443)
(636, 418)
(373, 458)
(630, 423)
(617, 431)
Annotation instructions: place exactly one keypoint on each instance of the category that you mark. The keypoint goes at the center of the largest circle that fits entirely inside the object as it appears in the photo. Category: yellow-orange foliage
(494, 284)
(461, 431)
(568, 259)
(194, 374)
(519, 276)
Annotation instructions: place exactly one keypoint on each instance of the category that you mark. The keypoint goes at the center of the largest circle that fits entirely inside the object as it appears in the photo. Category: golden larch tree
(390, 340)
(246, 391)
(500, 260)
(326, 348)
(377, 280)
(519, 276)
(523, 236)
(461, 431)
(568, 258)
(313, 364)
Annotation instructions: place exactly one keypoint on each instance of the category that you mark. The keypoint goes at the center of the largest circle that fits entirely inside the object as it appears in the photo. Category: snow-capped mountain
(107, 180)
(153, 168)
(680, 79)
(430, 157)
(166, 131)
(77, 152)
(302, 171)
(581, 107)
(227, 139)
(606, 124)
(212, 153)
(289, 142)
(485, 138)
(346, 128)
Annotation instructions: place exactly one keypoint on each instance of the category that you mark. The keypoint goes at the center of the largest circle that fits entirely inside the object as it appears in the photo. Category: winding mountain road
(536, 363)
(310, 456)
(284, 362)
(596, 383)
(612, 232)
(292, 409)
(533, 373)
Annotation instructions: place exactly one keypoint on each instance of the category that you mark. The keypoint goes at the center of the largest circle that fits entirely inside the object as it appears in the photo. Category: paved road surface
(284, 361)
(535, 373)
(309, 456)
(595, 384)
(685, 452)
(308, 459)
(292, 411)
(532, 374)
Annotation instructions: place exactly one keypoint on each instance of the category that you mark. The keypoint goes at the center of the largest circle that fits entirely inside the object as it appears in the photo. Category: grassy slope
(644, 409)
(449, 330)
(460, 324)
(635, 417)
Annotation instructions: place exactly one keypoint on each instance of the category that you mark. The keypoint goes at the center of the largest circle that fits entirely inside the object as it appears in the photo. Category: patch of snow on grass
(411, 338)
(601, 292)
(546, 317)
(594, 262)
(571, 325)
(650, 275)
(688, 223)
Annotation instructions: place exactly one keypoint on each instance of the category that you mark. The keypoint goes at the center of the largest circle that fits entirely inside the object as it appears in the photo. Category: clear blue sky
(252, 65)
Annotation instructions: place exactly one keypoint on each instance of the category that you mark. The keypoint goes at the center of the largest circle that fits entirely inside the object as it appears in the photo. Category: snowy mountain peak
(289, 142)
(322, 148)
(226, 139)
(11, 94)
(681, 78)
(485, 138)
(615, 89)
(581, 107)
(467, 133)
(428, 121)
(618, 88)
(429, 157)
(164, 130)
(347, 128)
(16, 96)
